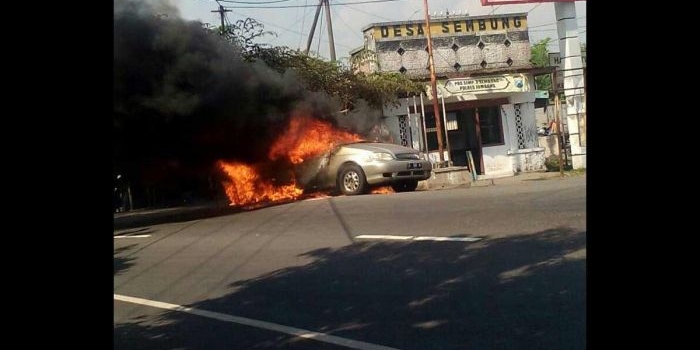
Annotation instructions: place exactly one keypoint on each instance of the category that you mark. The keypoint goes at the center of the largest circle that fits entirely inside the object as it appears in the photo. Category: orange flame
(382, 190)
(247, 187)
(308, 137)
(305, 138)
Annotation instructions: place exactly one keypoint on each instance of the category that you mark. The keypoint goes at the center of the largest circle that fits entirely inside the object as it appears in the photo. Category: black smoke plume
(184, 98)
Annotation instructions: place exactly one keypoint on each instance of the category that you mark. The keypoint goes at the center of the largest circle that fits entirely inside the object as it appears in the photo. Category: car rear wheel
(352, 180)
(405, 186)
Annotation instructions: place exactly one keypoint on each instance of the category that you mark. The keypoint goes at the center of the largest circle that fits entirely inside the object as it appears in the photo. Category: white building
(485, 84)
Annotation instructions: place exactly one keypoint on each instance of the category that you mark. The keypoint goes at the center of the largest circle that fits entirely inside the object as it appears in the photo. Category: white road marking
(133, 236)
(316, 198)
(447, 239)
(385, 237)
(302, 333)
(421, 238)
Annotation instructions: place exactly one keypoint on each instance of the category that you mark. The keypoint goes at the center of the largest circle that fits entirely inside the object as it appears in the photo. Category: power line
(551, 24)
(294, 6)
(550, 30)
(320, 34)
(534, 7)
(290, 27)
(254, 2)
(347, 25)
(301, 37)
(293, 31)
(371, 14)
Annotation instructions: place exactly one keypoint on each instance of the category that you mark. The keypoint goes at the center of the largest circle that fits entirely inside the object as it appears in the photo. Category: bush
(552, 163)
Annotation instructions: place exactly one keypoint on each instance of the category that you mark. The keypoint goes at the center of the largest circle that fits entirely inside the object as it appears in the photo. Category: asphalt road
(250, 280)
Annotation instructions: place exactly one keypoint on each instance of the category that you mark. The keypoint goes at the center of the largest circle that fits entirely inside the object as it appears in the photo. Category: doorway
(470, 128)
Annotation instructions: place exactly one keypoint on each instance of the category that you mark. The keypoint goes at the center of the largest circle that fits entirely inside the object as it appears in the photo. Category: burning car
(354, 168)
(313, 156)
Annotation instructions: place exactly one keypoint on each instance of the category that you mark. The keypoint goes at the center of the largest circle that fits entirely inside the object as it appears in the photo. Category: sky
(293, 24)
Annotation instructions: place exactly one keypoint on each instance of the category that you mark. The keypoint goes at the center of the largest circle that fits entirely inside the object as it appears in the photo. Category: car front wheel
(351, 180)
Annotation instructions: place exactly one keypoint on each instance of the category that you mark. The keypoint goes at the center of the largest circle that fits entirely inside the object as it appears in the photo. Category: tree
(539, 56)
(333, 78)
(378, 89)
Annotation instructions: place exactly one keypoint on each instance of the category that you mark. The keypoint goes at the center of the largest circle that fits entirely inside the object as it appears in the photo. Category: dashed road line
(421, 238)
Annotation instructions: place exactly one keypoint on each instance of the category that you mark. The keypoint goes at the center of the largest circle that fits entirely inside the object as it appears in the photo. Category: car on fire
(355, 168)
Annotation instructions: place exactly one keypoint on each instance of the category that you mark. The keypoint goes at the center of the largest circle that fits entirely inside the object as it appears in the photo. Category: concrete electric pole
(331, 43)
(221, 12)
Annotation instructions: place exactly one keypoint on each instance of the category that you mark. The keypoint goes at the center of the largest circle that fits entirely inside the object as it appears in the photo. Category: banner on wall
(513, 2)
(480, 85)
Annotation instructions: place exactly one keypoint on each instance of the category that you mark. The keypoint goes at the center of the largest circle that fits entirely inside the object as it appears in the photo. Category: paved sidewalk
(533, 176)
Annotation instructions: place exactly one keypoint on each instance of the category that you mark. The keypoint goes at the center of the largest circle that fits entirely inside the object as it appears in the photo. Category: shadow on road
(140, 218)
(121, 264)
(520, 292)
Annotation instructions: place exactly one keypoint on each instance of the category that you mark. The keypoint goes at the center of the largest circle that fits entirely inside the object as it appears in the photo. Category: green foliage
(363, 57)
(338, 80)
(552, 163)
(335, 79)
(387, 88)
(539, 56)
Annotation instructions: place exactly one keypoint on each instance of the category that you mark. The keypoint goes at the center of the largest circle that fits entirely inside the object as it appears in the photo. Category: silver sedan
(356, 167)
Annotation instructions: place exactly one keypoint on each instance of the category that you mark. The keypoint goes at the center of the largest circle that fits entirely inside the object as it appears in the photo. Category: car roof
(380, 147)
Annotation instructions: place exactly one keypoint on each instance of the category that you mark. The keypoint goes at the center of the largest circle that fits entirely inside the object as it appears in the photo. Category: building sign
(450, 26)
(481, 85)
(510, 2)
(477, 84)
(555, 59)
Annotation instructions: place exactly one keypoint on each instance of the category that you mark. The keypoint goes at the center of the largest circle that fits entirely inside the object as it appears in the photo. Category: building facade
(485, 83)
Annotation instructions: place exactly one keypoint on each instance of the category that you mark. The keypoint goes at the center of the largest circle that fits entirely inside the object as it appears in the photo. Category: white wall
(510, 136)
(530, 159)
(550, 145)
(575, 110)
(497, 162)
(416, 131)
(523, 97)
(502, 160)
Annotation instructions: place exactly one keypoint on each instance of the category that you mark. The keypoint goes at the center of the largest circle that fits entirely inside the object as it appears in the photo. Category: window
(431, 129)
(491, 128)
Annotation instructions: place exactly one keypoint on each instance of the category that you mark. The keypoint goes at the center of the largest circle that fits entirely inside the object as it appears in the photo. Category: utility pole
(560, 132)
(313, 27)
(330, 30)
(331, 43)
(221, 12)
(433, 83)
